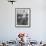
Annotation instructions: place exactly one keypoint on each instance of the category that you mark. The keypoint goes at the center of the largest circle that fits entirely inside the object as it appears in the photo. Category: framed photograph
(22, 17)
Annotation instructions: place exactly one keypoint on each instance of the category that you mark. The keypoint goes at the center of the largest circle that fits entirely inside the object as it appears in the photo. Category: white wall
(8, 31)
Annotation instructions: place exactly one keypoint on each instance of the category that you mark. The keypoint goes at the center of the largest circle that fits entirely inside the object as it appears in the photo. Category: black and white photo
(22, 17)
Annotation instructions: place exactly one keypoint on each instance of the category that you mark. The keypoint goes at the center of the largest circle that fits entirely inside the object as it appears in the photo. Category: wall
(8, 31)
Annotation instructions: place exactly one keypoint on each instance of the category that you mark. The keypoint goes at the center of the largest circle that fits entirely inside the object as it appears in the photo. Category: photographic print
(22, 17)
